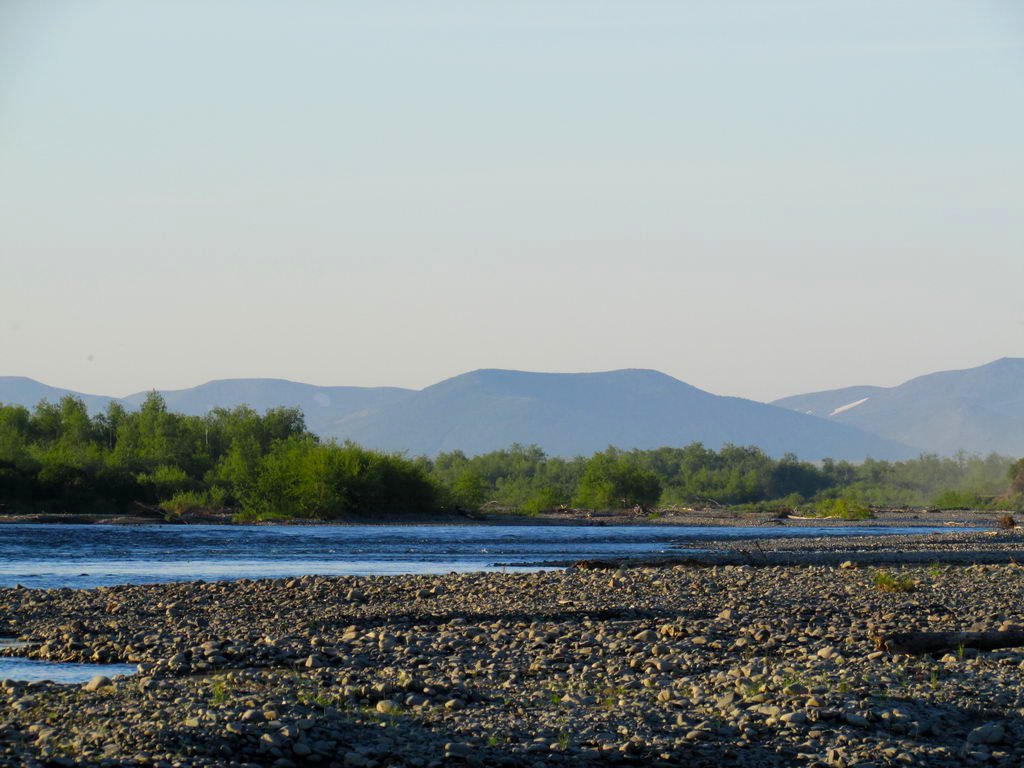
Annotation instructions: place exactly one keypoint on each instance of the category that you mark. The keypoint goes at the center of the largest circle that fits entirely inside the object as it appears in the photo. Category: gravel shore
(748, 665)
(704, 518)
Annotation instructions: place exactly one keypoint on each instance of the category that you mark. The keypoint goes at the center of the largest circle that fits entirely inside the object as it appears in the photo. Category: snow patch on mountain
(848, 406)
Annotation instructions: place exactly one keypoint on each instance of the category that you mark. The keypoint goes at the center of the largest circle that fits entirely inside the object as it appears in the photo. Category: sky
(758, 198)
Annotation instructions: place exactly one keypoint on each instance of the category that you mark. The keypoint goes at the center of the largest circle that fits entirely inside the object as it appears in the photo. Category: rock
(97, 682)
(857, 721)
(990, 733)
(458, 750)
(356, 760)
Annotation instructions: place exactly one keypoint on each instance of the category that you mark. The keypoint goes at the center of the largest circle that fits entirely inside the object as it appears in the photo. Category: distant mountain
(979, 410)
(18, 390)
(322, 406)
(569, 414)
(565, 413)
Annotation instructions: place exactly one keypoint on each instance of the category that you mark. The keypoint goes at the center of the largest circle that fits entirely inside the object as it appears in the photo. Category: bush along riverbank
(730, 665)
(243, 466)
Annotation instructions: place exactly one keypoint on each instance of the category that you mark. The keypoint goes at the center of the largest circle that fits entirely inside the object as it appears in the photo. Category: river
(84, 556)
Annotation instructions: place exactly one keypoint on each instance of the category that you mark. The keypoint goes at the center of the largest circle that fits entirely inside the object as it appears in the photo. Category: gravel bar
(767, 665)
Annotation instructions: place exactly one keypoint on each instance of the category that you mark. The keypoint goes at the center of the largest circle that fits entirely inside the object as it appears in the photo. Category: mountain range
(322, 406)
(977, 410)
(579, 413)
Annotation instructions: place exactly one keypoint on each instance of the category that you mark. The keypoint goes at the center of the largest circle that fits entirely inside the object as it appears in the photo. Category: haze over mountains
(978, 410)
(322, 406)
(579, 413)
(565, 413)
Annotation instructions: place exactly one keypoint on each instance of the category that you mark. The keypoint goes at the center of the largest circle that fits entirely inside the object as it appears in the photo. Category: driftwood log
(916, 643)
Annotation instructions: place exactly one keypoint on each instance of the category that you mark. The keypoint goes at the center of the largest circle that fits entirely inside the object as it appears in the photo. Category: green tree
(611, 480)
(237, 473)
(469, 489)
(165, 481)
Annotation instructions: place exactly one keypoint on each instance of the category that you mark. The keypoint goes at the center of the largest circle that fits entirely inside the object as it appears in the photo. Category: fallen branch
(916, 643)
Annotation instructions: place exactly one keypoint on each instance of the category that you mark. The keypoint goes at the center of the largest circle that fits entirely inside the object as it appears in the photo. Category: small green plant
(610, 698)
(493, 740)
(219, 692)
(886, 581)
(751, 689)
(564, 740)
(790, 679)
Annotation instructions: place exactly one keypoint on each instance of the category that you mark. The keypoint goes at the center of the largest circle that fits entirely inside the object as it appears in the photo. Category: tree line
(733, 476)
(59, 458)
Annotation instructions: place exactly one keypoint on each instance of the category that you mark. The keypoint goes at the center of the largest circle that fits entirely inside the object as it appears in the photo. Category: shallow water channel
(87, 556)
(58, 672)
(12, 668)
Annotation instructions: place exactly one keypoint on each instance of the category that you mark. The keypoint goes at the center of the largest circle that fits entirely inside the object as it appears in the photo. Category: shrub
(842, 509)
(303, 478)
(1017, 477)
(1006, 521)
(193, 501)
(611, 481)
(469, 490)
(885, 581)
(1014, 501)
(957, 500)
(165, 481)
(541, 500)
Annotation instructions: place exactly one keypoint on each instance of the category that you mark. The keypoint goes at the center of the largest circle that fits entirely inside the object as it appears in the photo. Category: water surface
(59, 672)
(82, 556)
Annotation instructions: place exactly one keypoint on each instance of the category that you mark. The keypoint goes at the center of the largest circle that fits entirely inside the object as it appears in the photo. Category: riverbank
(672, 517)
(747, 665)
(952, 547)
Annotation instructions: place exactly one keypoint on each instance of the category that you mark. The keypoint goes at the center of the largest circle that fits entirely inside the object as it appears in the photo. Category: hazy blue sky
(760, 198)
